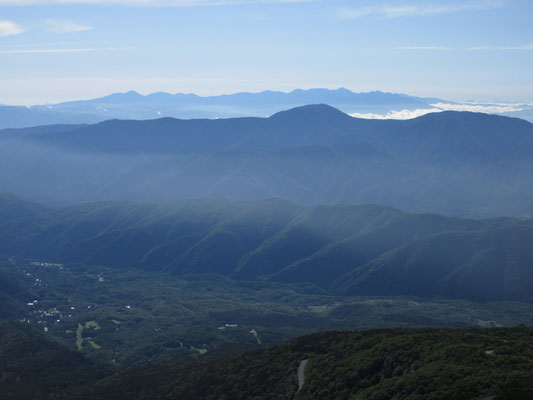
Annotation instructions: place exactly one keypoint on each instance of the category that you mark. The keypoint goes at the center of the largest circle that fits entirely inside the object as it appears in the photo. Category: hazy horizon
(59, 50)
(314, 96)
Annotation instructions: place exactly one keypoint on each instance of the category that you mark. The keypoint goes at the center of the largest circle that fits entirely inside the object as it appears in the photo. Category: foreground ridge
(395, 364)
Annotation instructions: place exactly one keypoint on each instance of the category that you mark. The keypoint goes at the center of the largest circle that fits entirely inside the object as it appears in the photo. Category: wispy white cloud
(8, 28)
(479, 48)
(408, 10)
(65, 26)
(526, 47)
(354, 13)
(423, 48)
(523, 47)
(148, 3)
(52, 51)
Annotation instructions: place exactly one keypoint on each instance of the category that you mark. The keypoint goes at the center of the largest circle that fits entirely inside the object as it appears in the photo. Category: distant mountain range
(346, 250)
(132, 105)
(452, 163)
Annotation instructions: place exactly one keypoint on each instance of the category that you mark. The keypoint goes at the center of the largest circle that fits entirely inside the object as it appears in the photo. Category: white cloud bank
(8, 28)
(65, 26)
(497, 108)
(402, 114)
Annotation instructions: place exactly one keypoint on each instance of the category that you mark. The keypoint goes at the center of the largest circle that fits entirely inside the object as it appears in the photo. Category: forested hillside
(33, 364)
(425, 364)
(357, 250)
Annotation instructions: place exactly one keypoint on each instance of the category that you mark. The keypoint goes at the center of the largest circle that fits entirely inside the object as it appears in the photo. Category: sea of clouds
(489, 108)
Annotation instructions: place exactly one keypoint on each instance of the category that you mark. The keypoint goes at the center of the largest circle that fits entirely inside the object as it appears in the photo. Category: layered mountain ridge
(348, 250)
(452, 163)
(132, 105)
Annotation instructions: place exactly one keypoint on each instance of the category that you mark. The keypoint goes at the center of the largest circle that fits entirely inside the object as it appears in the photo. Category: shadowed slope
(356, 250)
(452, 163)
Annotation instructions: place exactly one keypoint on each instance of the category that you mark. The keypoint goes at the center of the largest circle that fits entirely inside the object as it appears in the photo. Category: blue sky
(54, 50)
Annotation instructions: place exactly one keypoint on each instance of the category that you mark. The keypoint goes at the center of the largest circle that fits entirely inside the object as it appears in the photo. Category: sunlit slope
(356, 250)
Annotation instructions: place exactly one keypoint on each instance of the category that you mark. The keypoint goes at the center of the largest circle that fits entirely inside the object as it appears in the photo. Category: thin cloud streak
(65, 26)
(525, 47)
(413, 10)
(424, 48)
(54, 51)
(8, 28)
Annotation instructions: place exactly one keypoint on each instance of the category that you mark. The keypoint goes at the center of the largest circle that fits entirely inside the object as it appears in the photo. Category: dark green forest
(377, 364)
(33, 365)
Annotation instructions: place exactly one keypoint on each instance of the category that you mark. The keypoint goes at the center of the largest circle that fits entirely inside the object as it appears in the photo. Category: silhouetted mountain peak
(131, 95)
(311, 112)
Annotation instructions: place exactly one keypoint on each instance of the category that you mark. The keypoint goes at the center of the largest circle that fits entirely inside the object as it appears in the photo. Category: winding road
(301, 375)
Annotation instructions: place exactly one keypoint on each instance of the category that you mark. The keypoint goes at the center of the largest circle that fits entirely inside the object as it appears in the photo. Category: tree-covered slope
(381, 364)
(481, 265)
(13, 297)
(428, 364)
(356, 250)
(33, 364)
(12, 207)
